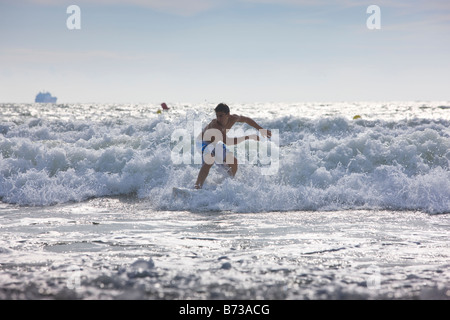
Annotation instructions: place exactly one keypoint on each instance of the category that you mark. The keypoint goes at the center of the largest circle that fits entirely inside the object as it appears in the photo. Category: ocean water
(356, 204)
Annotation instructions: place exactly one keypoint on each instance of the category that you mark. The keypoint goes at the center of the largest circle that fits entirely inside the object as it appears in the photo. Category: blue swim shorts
(211, 149)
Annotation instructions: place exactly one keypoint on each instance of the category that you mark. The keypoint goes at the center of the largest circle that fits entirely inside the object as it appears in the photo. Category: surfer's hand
(266, 133)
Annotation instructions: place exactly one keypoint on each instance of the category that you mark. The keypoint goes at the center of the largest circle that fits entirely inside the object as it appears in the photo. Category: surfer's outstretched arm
(266, 133)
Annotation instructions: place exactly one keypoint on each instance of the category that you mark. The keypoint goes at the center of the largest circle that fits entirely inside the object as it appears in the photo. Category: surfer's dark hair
(222, 107)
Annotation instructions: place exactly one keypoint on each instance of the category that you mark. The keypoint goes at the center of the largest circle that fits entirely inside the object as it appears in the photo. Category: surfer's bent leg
(206, 165)
(204, 171)
(231, 164)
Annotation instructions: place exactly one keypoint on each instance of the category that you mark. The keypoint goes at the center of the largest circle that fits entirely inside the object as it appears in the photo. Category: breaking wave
(327, 163)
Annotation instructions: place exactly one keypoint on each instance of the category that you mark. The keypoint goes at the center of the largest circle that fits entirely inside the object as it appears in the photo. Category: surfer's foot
(197, 186)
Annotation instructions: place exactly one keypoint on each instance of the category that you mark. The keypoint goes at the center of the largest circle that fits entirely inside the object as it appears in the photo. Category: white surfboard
(183, 192)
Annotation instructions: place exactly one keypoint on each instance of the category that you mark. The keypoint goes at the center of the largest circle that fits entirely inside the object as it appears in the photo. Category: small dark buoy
(226, 266)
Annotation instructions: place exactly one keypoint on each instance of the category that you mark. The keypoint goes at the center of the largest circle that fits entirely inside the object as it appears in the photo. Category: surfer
(215, 132)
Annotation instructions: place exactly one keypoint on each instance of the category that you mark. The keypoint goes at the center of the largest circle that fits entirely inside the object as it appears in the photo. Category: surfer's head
(222, 113)
(222, 107)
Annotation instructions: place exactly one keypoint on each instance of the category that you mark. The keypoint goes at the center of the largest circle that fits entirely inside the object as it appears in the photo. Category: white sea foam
(328, 161)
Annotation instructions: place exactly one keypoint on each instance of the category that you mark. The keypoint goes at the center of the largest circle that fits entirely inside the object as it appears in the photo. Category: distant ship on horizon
(45, 97)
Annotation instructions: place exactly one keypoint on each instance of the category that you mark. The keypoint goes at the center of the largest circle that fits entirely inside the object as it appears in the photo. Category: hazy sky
(224, 50)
